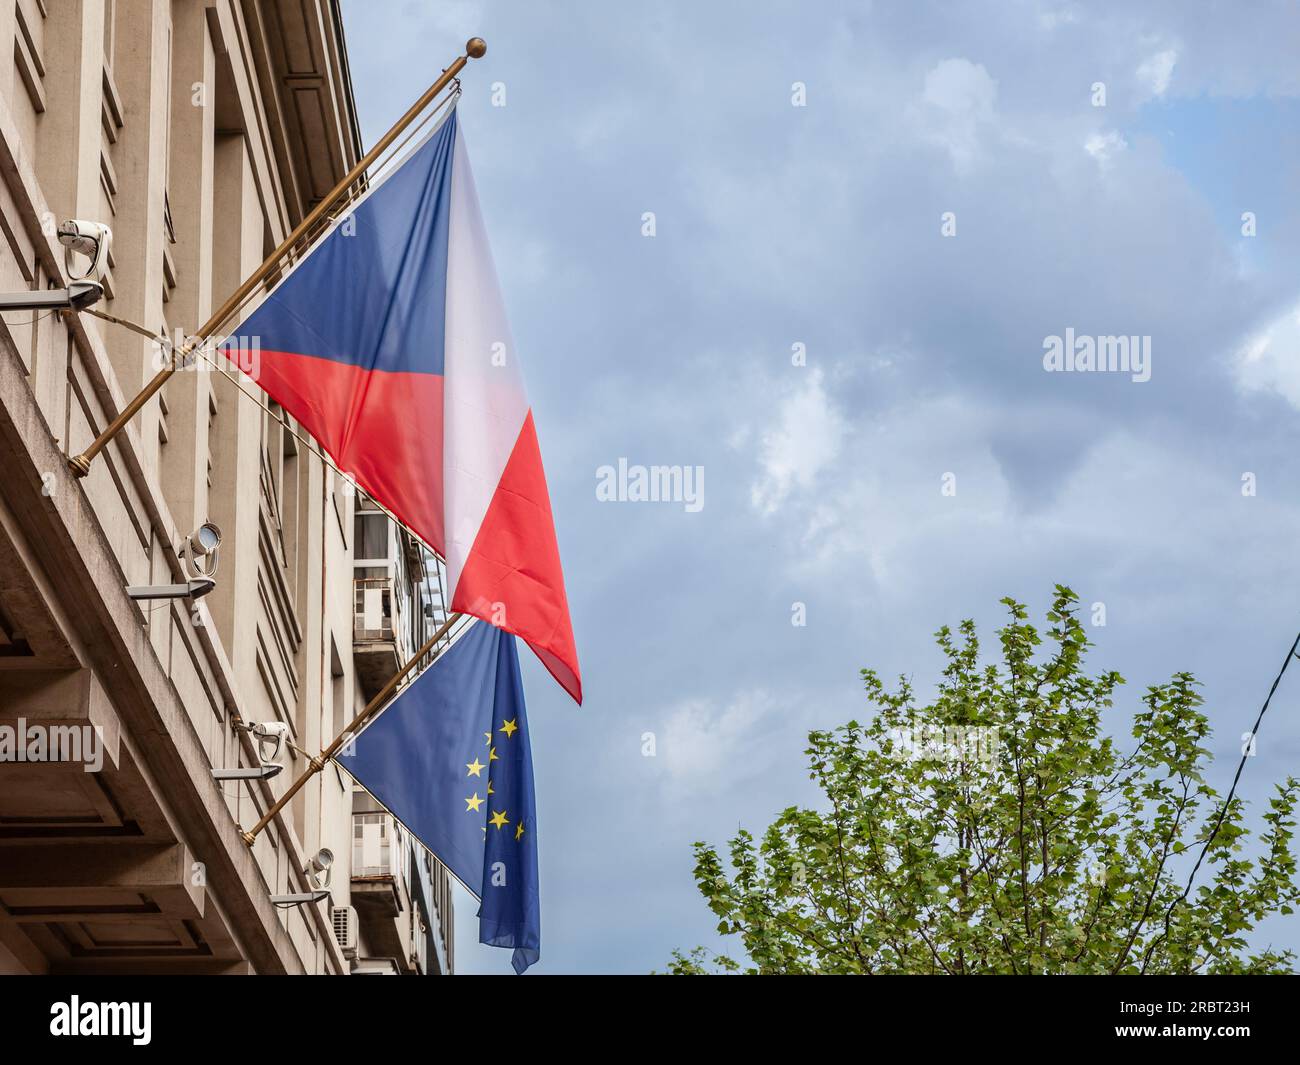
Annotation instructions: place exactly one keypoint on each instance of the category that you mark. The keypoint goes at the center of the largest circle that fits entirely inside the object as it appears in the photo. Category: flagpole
(316, 764)
(475, 48)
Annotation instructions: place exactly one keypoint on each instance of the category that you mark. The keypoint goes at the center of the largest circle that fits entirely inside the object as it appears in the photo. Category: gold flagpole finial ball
(476, 48)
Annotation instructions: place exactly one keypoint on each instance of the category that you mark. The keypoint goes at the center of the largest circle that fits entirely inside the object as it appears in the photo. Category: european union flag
(450, 759)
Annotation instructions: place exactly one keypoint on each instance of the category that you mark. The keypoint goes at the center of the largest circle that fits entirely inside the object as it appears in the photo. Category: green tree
(999, 829)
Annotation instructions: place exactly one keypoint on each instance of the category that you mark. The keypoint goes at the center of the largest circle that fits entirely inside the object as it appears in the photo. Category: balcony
(374, 643)
(380, 868)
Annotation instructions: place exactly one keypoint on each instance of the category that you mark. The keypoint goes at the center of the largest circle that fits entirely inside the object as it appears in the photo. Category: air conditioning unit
(345, 930)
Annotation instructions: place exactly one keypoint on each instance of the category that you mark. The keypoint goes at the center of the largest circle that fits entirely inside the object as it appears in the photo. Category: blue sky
(820, 225)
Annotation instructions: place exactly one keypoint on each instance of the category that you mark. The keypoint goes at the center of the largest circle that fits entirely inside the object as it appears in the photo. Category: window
(370, 530)
(370, 845)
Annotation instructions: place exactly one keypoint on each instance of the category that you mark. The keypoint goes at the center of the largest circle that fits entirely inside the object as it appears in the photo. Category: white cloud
(956, 106)
(1155, 73)
(806, 438)
(1050, 20)
(1104, 147)
(891, 499)
(961, 87)
(1270, 360)
(702, 740)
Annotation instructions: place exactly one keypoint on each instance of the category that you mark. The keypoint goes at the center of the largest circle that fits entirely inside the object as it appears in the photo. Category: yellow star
(473, 803)
(487, 739)
(475, 767)
(509, 728)
(519, 831)
(491, 789)
(498, 819)
(492, 755)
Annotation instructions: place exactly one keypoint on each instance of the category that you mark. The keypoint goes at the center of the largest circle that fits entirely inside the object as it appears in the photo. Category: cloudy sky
(823, 225)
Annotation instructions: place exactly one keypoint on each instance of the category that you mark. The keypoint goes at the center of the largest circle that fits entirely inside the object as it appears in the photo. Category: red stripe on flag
(383, 428)
(512, 576)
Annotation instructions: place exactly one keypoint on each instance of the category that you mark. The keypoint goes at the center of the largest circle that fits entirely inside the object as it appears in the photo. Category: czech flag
(389, 343)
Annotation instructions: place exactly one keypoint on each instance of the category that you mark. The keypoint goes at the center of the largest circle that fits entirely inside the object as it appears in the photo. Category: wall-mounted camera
(318, 869)
(91, 241)
(318, 873)
(272, 733)
(270, 737)
(198, 553)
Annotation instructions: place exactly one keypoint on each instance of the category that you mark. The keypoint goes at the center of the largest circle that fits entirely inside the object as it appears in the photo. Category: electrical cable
(33, 321)
(1227, 803)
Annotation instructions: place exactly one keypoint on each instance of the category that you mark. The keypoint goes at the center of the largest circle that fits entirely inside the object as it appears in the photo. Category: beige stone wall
(181, 124)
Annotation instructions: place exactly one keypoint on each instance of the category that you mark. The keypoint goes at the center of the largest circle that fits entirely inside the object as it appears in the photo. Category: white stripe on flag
(484, 402)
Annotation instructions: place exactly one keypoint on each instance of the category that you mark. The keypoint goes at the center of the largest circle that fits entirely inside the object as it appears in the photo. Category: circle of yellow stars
(499, 819)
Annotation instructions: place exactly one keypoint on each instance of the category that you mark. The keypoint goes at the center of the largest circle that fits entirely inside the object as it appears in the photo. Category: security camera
(199, 551)
(90, 239)
(205, 539)
(269, 732)
(263, 732)
(318, 869)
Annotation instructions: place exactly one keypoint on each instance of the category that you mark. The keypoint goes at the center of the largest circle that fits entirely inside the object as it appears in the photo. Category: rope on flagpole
(475, 48)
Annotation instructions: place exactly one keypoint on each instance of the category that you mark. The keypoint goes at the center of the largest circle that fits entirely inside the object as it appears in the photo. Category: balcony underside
(376, 661)
(378, 904)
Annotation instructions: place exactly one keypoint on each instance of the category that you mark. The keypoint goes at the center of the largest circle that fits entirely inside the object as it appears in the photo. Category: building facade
(201, 131)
